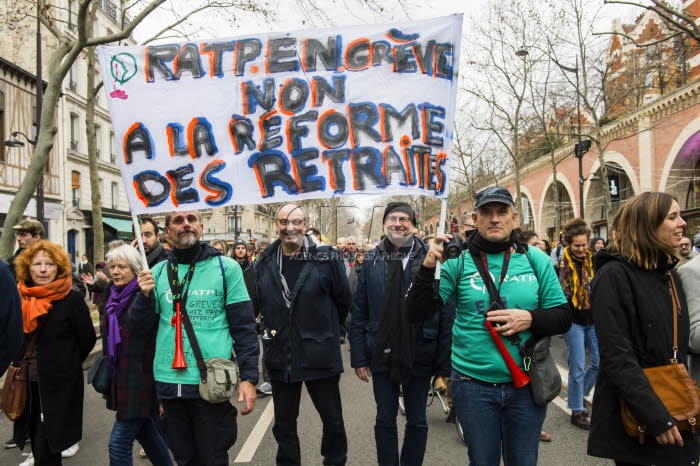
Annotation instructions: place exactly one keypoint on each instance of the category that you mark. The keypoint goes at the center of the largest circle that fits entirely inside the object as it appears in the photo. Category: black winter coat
(305, 340)
(632, 313)
(434, 338)
(65, 339)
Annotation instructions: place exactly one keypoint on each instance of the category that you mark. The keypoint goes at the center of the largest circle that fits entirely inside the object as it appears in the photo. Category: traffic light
(582, 148)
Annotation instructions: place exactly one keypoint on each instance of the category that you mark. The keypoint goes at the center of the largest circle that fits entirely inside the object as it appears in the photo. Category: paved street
(256, 445)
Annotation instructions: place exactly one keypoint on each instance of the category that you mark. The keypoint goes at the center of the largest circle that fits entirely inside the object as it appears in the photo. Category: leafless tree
(502, 63)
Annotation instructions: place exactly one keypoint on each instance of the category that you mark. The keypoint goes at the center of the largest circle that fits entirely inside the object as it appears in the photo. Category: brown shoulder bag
(16, 388)
(672, 384)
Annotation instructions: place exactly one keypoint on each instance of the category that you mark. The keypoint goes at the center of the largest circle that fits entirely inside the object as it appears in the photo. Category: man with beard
(212, 290)
(150, 235)
(304, 295)
(386, 348)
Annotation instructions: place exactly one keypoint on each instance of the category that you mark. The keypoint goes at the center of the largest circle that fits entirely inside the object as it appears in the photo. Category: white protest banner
(285, 116)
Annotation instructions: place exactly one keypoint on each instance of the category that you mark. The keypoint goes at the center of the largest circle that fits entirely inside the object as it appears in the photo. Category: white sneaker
(29, 461)
(71, 451)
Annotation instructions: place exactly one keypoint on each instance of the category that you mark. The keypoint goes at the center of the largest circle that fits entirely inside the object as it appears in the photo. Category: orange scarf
(37, 300)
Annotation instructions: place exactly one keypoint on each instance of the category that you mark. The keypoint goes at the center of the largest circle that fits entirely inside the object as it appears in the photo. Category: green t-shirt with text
(474, 352)
(207, 311)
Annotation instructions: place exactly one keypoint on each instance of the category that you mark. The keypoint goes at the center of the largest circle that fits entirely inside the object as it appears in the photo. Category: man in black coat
(304, 295)
(385, 347)
(11, 333)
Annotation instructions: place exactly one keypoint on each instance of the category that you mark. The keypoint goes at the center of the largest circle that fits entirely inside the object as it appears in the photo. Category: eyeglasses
(284, 222)
(39, 265)
(402, 220)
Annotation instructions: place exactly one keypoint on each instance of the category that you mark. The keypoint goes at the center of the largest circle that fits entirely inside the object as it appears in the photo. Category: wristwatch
(253, 381)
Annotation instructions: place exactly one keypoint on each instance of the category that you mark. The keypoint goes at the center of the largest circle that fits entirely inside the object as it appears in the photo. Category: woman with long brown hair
(58, 322)
(633, 313)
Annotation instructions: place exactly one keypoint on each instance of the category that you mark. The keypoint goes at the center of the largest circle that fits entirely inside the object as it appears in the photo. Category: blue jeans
(495, 418)
(386, 434)
(581, 380)
(121, 442)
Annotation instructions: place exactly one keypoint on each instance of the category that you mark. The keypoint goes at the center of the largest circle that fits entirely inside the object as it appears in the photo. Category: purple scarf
(116, 305)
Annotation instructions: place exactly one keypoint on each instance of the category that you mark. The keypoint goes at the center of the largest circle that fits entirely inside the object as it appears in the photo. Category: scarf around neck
(478, 243)
(119, 298)
(395, 343)
(577, 289)
(38, 299)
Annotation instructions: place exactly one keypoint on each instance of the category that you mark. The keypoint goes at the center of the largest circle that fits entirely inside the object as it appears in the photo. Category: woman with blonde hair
(57, 324)
(634, 313)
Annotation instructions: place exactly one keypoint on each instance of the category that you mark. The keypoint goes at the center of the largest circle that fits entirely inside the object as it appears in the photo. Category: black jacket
(632, 313)
(159, 254)
(11, 335)
(249, 276)
(65, 339)
(304, 341)
(433, 341)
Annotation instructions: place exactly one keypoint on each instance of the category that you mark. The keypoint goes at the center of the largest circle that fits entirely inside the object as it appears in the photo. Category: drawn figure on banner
(123, 69)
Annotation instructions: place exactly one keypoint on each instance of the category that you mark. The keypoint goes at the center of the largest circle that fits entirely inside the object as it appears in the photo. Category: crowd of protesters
(298, 299)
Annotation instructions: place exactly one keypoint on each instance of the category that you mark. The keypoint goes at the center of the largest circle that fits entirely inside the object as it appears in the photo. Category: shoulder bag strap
(676, 311)
(192, 337)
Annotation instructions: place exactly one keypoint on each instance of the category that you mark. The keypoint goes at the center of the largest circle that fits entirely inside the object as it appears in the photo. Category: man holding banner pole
(304, 295)
(210, 288)
(385, 347)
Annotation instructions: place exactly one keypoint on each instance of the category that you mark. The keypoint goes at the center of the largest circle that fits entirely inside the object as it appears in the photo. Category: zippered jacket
(303, 342)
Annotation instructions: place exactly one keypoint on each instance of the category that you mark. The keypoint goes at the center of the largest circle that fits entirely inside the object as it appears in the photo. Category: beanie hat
(238, 242)
(399, 207)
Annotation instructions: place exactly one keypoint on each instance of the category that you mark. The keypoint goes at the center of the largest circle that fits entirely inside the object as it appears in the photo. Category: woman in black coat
(633, 316)
(58, 320)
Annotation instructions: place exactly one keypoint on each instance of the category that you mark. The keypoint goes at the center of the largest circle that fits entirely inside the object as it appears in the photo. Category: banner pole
(441, 231)
(139, 239)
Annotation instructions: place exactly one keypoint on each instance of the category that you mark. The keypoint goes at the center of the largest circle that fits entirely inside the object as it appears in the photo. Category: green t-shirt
(474, 353)
(205, 306)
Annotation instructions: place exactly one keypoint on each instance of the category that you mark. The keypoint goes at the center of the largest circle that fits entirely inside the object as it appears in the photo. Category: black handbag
(99, 375)
(545, 379)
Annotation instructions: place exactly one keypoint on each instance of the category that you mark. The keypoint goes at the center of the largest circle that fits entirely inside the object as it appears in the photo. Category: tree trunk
(96, 196)
(41, 152)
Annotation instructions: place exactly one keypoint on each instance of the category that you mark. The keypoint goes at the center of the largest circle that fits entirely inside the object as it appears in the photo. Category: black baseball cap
(494, 194)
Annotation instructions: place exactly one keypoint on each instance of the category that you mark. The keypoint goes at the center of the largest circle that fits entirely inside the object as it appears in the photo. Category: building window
(75, 188)
(112, 148)
(73, 132)
(98, 140)
(71, 25)
(115, 195)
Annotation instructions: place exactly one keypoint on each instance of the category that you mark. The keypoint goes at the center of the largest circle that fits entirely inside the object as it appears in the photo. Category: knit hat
(399, 207)
(594, 240)
(238, 242)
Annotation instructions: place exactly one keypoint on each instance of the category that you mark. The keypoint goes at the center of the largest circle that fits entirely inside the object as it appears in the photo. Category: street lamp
(15, 142)
(581, 147)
